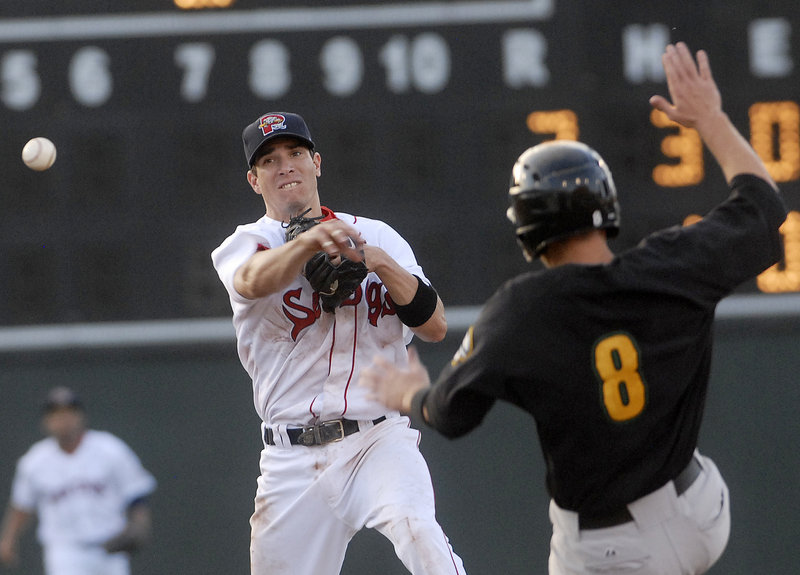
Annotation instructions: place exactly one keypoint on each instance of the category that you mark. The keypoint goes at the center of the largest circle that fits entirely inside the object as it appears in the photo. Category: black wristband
(421, 308)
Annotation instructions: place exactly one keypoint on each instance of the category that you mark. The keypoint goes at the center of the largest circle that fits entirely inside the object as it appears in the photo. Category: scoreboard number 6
(616, 363)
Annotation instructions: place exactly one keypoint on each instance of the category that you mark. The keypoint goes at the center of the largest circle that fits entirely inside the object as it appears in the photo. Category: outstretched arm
(409, 390)
(696, 103)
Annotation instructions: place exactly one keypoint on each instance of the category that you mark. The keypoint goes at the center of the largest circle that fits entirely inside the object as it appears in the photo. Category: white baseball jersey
(81, 497)
(304, 362)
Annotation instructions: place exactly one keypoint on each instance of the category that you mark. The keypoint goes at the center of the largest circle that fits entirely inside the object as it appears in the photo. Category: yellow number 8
(616, 362)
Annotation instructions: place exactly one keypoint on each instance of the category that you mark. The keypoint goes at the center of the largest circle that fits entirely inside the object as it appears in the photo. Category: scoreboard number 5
(616, 363)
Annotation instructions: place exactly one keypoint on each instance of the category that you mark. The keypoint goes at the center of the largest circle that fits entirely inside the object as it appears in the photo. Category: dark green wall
(188, 413)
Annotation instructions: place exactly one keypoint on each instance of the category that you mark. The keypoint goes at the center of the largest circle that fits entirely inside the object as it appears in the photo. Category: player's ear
(317, 162)
(252, 179)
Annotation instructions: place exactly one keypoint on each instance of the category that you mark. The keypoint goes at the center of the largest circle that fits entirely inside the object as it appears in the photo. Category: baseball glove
(299, 224)
(335, 282)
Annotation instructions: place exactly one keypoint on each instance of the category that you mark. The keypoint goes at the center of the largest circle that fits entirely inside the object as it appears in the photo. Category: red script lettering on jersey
(379, 304)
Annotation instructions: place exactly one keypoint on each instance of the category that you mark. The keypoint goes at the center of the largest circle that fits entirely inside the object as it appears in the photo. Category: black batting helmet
(560, 188)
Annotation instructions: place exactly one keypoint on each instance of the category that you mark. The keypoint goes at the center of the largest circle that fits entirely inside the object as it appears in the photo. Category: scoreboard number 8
(616, 363)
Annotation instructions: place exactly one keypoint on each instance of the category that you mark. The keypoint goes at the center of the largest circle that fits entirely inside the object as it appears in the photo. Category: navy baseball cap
(61, 397)
(273, 125)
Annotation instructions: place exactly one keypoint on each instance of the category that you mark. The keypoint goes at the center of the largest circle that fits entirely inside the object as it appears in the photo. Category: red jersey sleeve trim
(327, 214)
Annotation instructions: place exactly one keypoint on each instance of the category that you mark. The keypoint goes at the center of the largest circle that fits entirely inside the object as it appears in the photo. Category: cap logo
(272, 123)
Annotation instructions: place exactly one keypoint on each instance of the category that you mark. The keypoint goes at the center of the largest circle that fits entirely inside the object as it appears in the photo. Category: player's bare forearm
(400, 284)
(732, 152)
(435, 328)
(402, 287)
(696, 103)
(269, 271)
(14, 524)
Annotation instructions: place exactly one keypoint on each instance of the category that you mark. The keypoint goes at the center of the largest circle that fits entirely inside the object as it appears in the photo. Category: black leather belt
(682, 482)
(321, 433)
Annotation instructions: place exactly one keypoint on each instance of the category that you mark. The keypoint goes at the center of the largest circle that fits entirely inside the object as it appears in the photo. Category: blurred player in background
(611, 353)
(333, 461)
(88, 490)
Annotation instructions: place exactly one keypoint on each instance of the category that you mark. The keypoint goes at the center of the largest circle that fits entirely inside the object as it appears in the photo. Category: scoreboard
(418, 108)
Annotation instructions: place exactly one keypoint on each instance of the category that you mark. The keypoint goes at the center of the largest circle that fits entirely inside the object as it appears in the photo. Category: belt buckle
(337, 423)
(313, 434)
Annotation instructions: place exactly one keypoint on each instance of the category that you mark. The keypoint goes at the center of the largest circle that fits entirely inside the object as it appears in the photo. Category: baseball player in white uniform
(88, 489)
(333, 461)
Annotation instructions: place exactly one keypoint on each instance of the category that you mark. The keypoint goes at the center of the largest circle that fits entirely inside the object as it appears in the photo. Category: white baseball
(39, 154)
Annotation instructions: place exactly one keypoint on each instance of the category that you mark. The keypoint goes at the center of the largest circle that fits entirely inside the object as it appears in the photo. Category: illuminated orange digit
(200, 4)
(685, 146)
(562, 123)
(777, 123)
(785, 276)
(616, 363)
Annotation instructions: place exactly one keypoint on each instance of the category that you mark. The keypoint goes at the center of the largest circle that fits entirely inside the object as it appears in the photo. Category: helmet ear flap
(529, 251)
(559, 189)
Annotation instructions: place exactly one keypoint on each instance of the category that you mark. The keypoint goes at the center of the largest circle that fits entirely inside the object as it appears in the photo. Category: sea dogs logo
(272, 123)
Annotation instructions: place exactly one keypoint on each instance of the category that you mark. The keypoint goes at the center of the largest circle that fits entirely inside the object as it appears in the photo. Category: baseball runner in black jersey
(611, 353)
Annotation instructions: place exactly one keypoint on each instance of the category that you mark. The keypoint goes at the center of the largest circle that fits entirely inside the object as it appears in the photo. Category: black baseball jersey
(612, 360)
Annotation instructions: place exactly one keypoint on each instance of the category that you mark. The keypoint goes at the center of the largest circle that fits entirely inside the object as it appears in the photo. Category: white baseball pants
(77, 559)
(670, 535)
(311, 501)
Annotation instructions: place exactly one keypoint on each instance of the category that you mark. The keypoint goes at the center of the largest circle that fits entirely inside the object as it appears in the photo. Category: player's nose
(286, 165)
